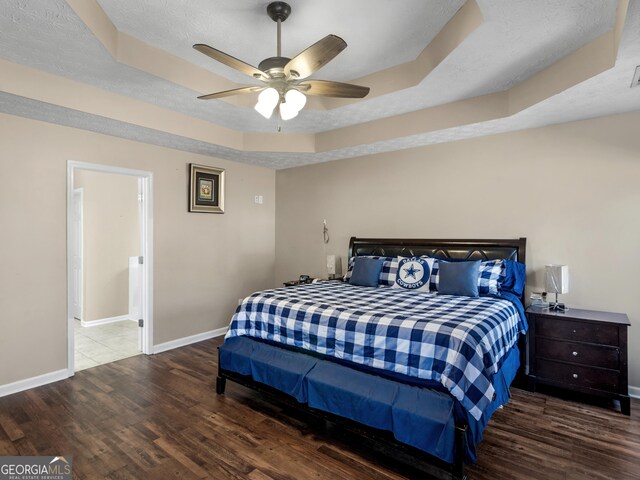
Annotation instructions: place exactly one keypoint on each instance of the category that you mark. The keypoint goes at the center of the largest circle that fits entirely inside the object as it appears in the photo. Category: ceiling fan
(285, 79)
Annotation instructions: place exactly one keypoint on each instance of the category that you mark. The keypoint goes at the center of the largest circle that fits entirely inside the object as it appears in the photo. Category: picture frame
(206, 189)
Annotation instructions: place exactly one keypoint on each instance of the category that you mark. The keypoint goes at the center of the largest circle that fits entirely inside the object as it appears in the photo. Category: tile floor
(104, 343)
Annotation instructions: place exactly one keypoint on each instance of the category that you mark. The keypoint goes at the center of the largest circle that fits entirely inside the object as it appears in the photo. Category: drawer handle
(575, 375)
(575, 354)
(574, 331)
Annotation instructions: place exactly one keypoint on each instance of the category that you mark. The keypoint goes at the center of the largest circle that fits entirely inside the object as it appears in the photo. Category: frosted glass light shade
(557, 278)
(287, 112)
(267, 101)
(294, 101)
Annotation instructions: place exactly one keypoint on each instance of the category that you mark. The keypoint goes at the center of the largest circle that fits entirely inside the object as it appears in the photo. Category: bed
(420, 373)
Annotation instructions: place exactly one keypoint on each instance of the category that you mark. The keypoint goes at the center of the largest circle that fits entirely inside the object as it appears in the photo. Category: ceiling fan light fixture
(282, 75)
(267, 101)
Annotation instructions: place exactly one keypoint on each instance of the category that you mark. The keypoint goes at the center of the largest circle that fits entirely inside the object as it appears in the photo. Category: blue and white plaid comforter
(457, 341)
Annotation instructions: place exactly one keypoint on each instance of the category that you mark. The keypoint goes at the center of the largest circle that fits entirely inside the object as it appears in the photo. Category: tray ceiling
(482, 74)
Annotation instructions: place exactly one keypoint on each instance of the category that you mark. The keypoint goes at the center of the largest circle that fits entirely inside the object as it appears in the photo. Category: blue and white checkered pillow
(434, 281)
(387, 274)
(488, 278)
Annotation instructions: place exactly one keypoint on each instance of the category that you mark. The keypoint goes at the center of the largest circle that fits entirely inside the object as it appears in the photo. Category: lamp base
(557, 307)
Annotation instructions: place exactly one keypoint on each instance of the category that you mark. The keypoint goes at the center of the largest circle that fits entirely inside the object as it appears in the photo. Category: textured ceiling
(380, 33)
(517, 39)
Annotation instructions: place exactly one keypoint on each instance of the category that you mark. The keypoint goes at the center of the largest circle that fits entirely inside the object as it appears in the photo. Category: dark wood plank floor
(158, 417)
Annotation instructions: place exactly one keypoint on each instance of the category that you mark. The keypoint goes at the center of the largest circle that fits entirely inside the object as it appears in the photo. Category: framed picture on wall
(206, 189)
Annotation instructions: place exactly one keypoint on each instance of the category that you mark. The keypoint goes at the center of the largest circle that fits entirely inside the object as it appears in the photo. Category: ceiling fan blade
(230, 61)
(228, 93)
(315, 57)
(326, 88)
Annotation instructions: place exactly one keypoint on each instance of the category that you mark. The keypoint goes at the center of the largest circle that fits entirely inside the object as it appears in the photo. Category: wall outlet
(258, 199)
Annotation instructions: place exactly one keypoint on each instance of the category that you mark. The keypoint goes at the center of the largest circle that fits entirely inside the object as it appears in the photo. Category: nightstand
(583, 351)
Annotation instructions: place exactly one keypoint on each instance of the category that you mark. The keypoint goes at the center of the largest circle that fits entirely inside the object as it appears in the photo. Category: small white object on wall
(636, 77)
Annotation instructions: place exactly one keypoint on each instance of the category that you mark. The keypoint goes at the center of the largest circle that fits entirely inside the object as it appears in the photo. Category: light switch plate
(636, 77)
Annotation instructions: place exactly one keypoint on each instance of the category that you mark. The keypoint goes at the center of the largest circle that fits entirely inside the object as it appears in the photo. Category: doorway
(118, 324)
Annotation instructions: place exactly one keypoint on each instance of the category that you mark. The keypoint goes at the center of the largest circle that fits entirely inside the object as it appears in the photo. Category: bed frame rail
(380, 440)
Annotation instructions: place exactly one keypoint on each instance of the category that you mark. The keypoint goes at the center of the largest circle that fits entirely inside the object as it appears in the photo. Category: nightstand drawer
(554, 327)
(600, 356)
(578, 375)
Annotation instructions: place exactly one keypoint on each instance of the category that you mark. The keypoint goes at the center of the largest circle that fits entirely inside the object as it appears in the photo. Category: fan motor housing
(274, 65)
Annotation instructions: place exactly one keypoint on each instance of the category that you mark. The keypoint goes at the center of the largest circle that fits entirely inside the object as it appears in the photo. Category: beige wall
(573, 190)
(111, 235)
(202, 262)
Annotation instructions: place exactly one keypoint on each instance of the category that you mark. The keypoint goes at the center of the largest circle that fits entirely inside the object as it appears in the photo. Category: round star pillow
(413, 273)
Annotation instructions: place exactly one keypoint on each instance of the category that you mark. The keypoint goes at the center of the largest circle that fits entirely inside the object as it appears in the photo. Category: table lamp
(334, 266)
(557, 281)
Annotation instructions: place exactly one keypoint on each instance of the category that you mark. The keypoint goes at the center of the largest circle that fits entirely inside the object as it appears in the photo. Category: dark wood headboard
(511, 249)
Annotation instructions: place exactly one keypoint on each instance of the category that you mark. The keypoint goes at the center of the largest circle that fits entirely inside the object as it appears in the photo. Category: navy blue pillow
(366, 271)
(515, 277)
(459, 278)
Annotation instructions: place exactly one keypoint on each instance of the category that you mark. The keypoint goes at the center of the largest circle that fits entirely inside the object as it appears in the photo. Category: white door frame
(145, 182)
(78, 251)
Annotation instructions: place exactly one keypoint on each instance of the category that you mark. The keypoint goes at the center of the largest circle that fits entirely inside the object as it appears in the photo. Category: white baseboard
(181, 342)
(104, 321)
(634, 392)
(33, 382)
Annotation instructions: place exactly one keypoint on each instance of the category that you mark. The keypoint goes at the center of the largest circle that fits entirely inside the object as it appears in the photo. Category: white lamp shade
(287, 112)
(294, 101)
(334, 265)
(267, 101)
(557, 278)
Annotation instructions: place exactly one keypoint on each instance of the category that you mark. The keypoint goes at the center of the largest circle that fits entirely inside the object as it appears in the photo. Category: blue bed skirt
(418, 415)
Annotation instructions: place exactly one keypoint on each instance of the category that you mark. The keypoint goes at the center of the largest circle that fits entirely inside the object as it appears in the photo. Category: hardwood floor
(158, 417)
